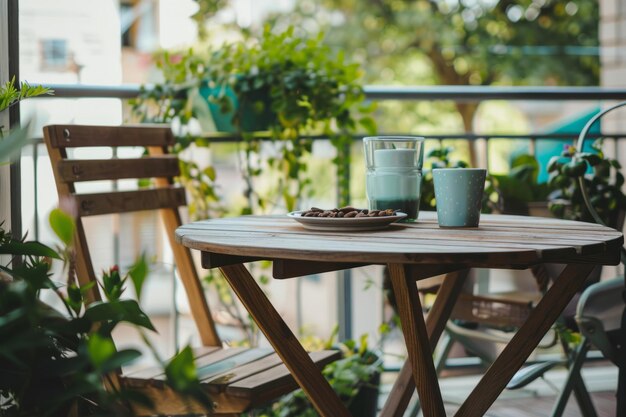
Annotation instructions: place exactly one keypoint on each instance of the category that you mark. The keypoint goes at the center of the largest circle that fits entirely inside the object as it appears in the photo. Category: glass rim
(459, 169)
(395, 138)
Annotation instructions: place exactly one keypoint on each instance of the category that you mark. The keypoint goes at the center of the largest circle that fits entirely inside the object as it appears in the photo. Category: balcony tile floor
(536, 400)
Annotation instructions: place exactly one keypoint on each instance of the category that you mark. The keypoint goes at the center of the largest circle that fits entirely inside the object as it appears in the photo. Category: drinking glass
(394, 173)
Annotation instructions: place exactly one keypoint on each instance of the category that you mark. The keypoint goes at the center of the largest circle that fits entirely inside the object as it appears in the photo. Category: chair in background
(236, 379)
(601, 320)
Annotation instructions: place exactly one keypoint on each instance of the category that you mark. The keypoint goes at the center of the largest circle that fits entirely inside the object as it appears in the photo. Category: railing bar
(375, 92)
(480, 93)
(117, 220)
(232, 138)
(487, 153)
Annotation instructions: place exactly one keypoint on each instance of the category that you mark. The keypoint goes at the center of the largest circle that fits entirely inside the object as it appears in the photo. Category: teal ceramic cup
(459, 193)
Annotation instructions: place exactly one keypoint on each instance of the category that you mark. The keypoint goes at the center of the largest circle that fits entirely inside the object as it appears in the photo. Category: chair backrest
(164, 196)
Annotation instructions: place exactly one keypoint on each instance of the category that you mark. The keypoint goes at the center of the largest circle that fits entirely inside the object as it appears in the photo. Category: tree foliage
(464, 42)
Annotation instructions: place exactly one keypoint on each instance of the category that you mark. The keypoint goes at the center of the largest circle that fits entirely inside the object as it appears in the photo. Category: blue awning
(547, 148)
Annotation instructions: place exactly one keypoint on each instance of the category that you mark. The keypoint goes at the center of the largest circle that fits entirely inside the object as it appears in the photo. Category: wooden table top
(499, 241)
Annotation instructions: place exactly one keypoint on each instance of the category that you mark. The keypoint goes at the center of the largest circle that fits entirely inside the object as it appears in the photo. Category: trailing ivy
(297, 86)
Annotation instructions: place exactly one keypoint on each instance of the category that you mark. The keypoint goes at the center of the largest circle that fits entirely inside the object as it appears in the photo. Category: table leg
(525, 340)
(284, 342)
(417, 340)
(439, 314)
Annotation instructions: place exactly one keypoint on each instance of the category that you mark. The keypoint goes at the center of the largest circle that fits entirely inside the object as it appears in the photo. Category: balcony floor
(536, 400)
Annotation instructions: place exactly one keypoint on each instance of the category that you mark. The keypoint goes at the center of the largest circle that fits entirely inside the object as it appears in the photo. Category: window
(54, 54)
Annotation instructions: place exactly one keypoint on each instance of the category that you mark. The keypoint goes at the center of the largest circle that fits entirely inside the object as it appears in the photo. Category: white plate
(342, 224)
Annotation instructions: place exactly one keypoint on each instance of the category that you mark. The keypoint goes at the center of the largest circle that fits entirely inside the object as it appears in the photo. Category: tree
(467, 42)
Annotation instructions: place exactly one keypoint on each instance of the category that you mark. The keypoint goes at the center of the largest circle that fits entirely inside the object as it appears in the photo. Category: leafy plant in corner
(53, 363)
(602, 180)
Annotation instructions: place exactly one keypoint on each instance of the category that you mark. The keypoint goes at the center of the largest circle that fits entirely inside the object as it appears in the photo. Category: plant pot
(255, 114)
(365, 403)
(539, 209)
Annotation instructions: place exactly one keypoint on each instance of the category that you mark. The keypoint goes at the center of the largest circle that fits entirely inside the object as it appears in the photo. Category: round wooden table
(412, 251)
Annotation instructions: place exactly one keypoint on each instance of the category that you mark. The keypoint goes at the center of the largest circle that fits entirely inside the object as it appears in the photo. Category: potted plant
(355, 378)
(57, 362)
(294, 87)
(602, 179)
(519, 191)
(290, 86)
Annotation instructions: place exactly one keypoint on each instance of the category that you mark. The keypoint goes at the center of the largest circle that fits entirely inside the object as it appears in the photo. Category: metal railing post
(344, 281)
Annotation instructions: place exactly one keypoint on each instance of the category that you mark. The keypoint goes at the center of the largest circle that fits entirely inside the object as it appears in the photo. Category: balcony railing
(376, 93)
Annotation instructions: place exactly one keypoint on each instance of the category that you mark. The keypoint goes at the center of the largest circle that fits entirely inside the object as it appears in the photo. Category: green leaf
(369, 124)
(28, 249)
(74, 298)
(181, 371)
(11, 145)
(119, 359)
(138, 273)
(63, 226)
(113, 284)
(290, 200)
(100, 349)
(384, 328)
(210, 172)
(118, 311)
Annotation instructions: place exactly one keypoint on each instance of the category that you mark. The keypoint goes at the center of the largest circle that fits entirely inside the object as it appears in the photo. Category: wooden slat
(113, 169)
(73, 136)
(277, 376)
(254, 378)
(153, 371)
(226, 365)
(219, 355)
(210, 357)
(126, 201)
(234, 375)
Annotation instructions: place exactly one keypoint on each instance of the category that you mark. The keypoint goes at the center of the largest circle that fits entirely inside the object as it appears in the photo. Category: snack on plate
(347, 212)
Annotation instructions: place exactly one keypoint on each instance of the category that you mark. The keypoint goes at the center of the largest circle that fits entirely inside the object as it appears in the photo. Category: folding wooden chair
(236, 379)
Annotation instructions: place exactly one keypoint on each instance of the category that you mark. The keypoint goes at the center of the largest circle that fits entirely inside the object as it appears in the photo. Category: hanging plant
(297, 87)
